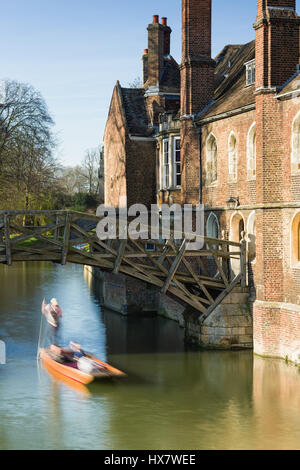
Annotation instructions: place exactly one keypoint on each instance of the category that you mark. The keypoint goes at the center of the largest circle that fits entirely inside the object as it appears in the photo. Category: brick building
(224, 132)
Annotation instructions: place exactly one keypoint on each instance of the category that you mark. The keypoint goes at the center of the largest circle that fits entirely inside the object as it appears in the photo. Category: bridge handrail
(88, 216)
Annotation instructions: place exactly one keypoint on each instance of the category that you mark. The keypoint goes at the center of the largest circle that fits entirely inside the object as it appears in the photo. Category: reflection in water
(172, 398)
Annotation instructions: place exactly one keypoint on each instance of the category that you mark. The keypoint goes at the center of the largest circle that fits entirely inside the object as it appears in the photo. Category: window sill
(171, 188)
(212, 185)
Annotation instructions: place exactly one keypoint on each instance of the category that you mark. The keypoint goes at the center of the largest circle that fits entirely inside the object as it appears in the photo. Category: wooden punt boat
(70, 370)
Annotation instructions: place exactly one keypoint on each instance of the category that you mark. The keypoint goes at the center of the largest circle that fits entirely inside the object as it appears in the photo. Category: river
(172, 398)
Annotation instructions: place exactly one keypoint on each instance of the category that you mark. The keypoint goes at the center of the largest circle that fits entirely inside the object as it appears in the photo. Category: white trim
(141, 139)
(174, 173)
(278, 305)
(228, 114)
(294, 92)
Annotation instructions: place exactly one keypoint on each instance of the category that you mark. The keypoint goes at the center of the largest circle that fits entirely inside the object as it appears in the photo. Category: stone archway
(237, 227)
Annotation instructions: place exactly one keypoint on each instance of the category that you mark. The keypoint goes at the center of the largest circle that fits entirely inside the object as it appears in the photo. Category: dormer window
(250, 72)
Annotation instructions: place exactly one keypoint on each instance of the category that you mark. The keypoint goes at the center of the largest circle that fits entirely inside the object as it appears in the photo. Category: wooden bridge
(201, 279)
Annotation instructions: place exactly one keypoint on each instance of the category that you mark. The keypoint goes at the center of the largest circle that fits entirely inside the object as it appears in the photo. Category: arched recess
(211, 159)
(295, 240)
(237, 227)
(212, 226)
(295, 158)
(251, 232)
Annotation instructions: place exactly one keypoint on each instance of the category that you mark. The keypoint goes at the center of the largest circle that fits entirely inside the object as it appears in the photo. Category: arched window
(212, 226)
(232, 157)
(251, 153)
(296, 145)
(211, 160)
(296, 240)
(212, 229)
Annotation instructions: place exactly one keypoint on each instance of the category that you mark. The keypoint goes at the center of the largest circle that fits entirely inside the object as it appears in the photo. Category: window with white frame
(250, 72)
(166, 165)
(296, 145)
(232, 157)
(171, 163)
(211, 160)
(177, 162)
(251, 153)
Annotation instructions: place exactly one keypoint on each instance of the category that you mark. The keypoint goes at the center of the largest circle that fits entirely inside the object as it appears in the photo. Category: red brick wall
(115, 153)
(218, 195)
(130, 166)
(277, 42)
(197, 68)
(141, 172)
(190, 167)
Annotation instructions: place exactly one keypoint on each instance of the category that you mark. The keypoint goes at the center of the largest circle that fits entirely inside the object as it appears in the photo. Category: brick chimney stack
(158, 46)
(277, 42)
(197, 67)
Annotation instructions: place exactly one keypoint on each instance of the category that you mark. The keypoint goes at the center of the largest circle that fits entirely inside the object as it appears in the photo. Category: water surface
(172, 398)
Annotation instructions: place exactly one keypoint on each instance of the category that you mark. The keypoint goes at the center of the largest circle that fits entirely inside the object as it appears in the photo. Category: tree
(137, 83)
(89, 169)
(27, 166)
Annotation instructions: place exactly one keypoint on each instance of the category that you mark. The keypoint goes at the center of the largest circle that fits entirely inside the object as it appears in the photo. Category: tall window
(212, 226)
(177, 162)
(251, 153)
(171, 163)
(296, 145)
(211, 160)
(250, 72)
(296, 240)
(232, 157)
(166, 164)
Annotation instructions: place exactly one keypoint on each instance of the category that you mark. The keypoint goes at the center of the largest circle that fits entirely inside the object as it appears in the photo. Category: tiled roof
(292, 85)
(231, 92)
(136, 112)
(170, 77)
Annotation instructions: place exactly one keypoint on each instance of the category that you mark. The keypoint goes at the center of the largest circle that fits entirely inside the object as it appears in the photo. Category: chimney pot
(155, 19)
(164, 21)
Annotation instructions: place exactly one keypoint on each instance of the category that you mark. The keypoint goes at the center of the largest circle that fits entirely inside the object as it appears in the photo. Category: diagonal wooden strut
(172, 269)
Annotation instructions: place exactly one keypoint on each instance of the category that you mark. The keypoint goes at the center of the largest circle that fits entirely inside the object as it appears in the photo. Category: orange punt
(70, 371)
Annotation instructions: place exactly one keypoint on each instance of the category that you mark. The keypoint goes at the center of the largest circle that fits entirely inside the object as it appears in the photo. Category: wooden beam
(243, 262)
(119, 258)
(221, 297)
(174, 266)
(65, 247)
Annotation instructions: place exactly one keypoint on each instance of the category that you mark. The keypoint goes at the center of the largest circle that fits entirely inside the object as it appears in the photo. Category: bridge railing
(201, 278)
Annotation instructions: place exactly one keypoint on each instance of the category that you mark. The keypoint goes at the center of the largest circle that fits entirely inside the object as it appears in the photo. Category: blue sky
(74, 51)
